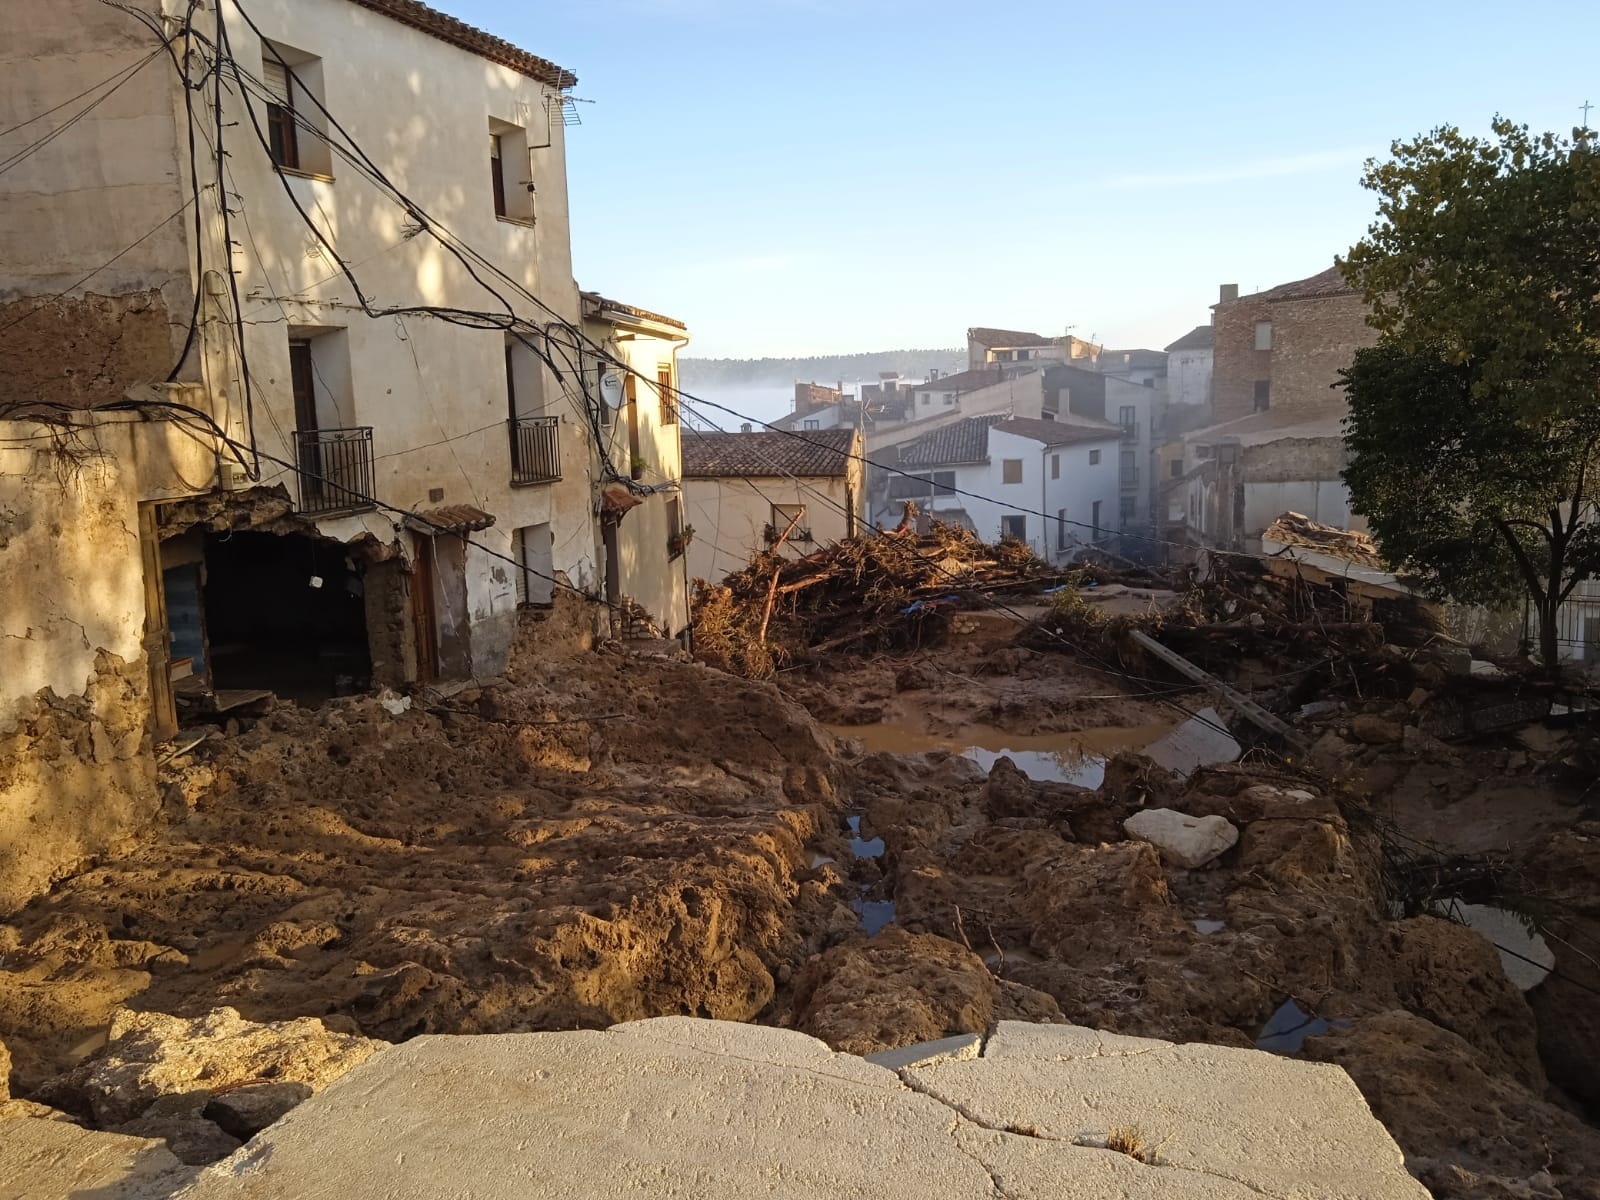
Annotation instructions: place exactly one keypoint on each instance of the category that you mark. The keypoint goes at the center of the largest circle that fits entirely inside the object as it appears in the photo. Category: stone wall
(1312, 341)
(1236, 364)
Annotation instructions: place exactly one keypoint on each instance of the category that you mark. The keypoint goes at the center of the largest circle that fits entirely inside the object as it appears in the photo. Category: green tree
(1475, 423)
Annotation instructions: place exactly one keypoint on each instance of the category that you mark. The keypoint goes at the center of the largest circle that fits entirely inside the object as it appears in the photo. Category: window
(497, 175)
(1263, 396)
(1128, 417)
(1014, 528)
(1204, 452)
(949, 399)
(1055, 466)
(675, 542)
(292, 80)
(1094, 458)
(1177, 468)
(1010, 470)
(1094, 520)
(812, 424)
(1062, 540)
(944, 483)
(669, 398)
(1150, 382)
(510, 172)
(1129, 508)
(1263, 335)
(789, 518)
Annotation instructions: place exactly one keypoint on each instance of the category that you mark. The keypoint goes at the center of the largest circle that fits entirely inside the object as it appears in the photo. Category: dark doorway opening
(285, 613)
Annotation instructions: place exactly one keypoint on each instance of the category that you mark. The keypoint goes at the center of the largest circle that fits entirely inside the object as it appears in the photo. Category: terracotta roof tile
(458, 33)
(1058, 433)
(964, 381)
(767, 455)
(964, 441)
(991, 338)
(1323, 283)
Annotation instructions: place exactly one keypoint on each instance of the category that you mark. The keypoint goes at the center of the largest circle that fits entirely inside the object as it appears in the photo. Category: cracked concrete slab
(681, 1108)
(50, 1160)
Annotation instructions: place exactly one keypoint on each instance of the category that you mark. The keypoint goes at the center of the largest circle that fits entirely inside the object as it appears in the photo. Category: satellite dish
(611, 389)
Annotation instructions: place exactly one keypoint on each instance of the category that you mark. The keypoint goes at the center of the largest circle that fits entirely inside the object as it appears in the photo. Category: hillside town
(441, 754)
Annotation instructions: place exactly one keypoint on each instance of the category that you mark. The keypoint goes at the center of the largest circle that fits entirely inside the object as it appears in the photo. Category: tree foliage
(1475, 423)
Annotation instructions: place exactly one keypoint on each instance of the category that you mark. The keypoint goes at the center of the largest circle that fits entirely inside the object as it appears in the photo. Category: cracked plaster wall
(77, 777)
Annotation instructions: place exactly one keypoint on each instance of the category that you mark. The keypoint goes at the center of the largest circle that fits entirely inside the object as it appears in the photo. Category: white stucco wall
(1189, 376)
(730, 515)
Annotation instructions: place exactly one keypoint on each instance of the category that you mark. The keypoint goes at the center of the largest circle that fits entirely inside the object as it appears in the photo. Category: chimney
(1230, 291)
(746, 427)
(933, 374)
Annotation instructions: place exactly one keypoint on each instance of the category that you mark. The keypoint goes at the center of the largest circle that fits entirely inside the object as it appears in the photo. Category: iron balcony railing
(335, 469)
(535, 449)
(1130, 431)
(1129, 479)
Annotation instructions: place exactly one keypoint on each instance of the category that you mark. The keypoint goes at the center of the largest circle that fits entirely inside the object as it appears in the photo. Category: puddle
(863, 847)
(1210, 926)
(1077, 758)
(1525, 956)
(874, 914)
(1290, 1026)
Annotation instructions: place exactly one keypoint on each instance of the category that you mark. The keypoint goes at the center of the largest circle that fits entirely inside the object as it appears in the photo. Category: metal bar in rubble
(1235, 699)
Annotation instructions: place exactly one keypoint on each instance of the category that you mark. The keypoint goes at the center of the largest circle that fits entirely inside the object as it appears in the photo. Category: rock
(1375, 730)
(151, 1055)
(47, 1160)
(191, 1138)
(1418, 697)
(245, 1112)
(13, 1110)
(1183, 841)
(5, 1073)
(717, 1110)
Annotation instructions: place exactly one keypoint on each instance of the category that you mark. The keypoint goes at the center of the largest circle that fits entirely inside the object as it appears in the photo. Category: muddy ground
(603, 836)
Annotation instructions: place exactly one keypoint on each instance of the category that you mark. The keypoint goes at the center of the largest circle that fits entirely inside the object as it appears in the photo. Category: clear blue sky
(825, 176)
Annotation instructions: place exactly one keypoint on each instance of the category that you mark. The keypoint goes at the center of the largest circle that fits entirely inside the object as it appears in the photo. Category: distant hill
(720, 373)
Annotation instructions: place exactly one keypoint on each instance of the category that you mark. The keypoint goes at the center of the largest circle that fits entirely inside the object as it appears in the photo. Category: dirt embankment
(603, 837)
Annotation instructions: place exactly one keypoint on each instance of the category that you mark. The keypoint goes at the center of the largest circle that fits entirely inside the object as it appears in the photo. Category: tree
(1467, 493)
(1475, 422)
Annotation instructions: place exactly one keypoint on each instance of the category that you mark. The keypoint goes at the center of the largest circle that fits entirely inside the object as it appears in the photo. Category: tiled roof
(965, 441)
(1201, 337)
(1057, 433)
(452, 518)
(1323, 283)
(965, 381)
(458, 33)
(596, 302)
(991, 338)
(767, 455)
(1110, 361)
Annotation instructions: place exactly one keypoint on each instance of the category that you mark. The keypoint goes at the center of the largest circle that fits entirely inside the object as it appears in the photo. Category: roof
(1201, 337)
(458, 33)
(602, 304)
(452, 518)
(1058, 433)
(1110, 360)
(963, 381)
(991, 338)
(1323, 283)
(1274, 425)
(768, 455)
(1297, 529)
(963, 441)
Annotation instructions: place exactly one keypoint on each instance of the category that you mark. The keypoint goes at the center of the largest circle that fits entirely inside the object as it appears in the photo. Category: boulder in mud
(1376, 731)
(151, 1055)
(1182, 840)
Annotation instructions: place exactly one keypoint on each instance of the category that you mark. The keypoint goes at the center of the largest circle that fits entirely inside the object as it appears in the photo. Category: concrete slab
(54, 1160)
(680, 1108)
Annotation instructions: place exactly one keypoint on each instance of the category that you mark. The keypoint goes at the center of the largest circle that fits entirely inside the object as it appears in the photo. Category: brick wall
(1312, 341)
(1236, 363)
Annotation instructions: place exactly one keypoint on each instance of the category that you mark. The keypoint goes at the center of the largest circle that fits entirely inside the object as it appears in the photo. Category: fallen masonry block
(682, 1107)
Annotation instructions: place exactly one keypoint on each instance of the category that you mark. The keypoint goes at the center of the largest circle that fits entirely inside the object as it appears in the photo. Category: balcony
(1129, 480)
(535, 450)
(1130, 431)
(335, 467)
(772, 533)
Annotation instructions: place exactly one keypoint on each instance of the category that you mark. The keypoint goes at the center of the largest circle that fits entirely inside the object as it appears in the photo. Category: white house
(1138, 412)
(1189, 367)
(1052, 484)
(747, 492)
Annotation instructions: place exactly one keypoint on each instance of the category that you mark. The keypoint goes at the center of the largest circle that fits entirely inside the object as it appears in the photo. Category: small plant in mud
(1130, 1140)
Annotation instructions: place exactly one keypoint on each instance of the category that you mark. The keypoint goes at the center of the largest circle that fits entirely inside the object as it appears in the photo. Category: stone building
(355, 423)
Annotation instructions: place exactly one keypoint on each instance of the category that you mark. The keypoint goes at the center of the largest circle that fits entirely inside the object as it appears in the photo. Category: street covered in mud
(949, 795)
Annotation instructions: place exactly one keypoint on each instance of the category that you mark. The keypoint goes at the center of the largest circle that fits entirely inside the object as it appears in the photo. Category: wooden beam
(1234, 698)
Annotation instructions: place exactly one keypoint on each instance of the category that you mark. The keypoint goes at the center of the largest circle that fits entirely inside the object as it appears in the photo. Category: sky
(796, 177)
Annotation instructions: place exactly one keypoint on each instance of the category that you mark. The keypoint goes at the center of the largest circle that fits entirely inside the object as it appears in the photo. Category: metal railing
(535, 449)
(1129, 480)
(1130, 431)
(335, 469)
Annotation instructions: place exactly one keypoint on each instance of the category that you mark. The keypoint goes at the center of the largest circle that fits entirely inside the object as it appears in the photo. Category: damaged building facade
(295, 394)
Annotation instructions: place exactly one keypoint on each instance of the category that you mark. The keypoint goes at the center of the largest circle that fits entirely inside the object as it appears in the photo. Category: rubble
(1183, 841)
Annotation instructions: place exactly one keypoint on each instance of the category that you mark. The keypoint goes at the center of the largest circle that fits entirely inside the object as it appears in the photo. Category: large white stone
(55, 1160)
(699, 1110)
(1184, 841)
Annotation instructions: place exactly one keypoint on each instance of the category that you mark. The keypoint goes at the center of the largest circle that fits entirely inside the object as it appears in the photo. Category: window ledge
(525, 222)
(298, 173)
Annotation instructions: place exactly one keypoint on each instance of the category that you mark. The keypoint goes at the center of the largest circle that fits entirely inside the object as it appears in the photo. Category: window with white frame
(1263, 335)
(510, 172)
(296, 127)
